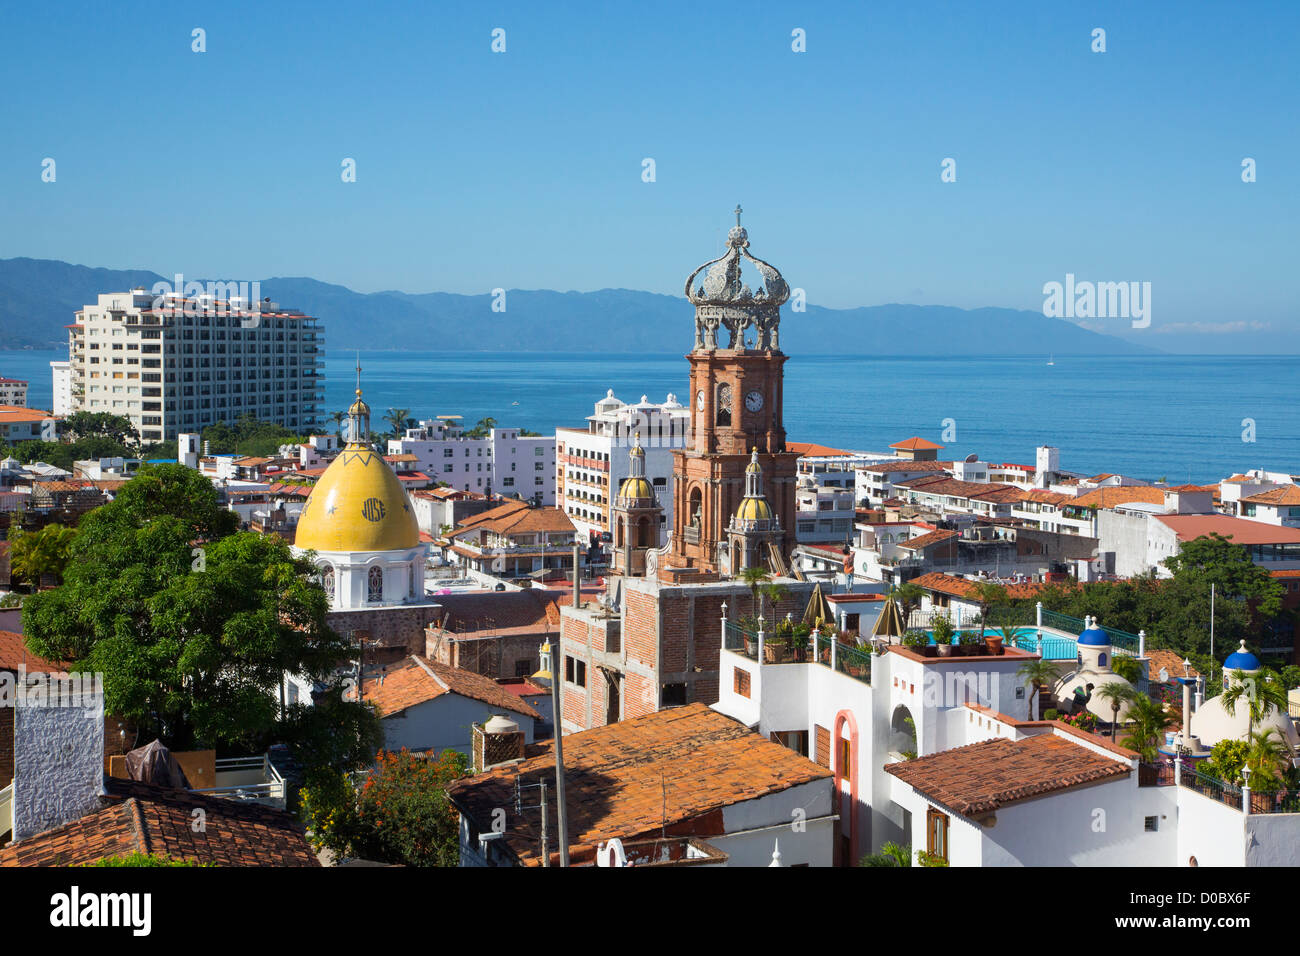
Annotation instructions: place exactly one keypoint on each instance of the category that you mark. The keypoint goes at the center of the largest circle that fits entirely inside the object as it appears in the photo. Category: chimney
(496, 741)
(58, 751)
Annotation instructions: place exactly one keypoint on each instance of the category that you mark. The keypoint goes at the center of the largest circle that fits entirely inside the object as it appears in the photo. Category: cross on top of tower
(738, 212)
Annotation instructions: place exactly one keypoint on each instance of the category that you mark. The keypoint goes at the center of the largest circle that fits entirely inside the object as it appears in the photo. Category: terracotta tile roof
(1283, 495)
(1114, 497)
(982, 777)
(903, 464)
(1046, 497)
(404, 457)
(807, 449)
(1172, 662)
(147, 819)
(673, 770)
(1241, 530)
(18, 415)
(14, 654)
(58, 485)
(1190, 488)
(952, 487)
(420, 679)
(950, 584)
(493, 611)
(925, 540)
(518, 518)
(915, 444)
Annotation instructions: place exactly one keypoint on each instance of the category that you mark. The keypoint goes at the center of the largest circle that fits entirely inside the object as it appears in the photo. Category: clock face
(754, 400)
(699, 399)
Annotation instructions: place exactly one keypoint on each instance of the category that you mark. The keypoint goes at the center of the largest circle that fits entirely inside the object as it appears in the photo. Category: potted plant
(970, 641)
(943, 631)
(799, 640)
(994, 643)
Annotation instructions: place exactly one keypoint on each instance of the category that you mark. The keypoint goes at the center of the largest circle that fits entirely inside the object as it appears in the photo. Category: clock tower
(736, 418)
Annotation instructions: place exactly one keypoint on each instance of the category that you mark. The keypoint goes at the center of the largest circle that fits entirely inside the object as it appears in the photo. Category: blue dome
(1242, 660)
(1094, 637)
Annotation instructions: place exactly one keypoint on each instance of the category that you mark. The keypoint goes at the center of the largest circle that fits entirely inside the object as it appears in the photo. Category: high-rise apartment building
(172, 364)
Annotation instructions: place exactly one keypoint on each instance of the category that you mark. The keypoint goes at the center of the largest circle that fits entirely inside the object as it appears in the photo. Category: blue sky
(523, 169)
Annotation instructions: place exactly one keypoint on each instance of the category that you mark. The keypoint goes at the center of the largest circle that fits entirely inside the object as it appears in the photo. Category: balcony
(249, 779)
(775, 649)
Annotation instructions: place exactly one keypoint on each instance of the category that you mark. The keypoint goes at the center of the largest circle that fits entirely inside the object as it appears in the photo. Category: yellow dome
(358, 505)
(754, 509)
(635, 488)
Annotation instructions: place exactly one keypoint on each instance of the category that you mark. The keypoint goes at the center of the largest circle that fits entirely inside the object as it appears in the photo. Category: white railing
(6, 809)
(248, 778)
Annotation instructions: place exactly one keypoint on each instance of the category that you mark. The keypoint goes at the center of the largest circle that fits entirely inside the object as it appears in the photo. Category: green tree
(397, 417)
(908, 596)
(1116, 695)
(37, 554)
(754, 578)
(400, 815)
(891, 854)
(1148, 721)
(337, 418)
(1261, 695)
(1127, 667)
(1266, 760)
(116, 428)
(1038, 673)
(192, 625)
(1226, 760)
(988, 595)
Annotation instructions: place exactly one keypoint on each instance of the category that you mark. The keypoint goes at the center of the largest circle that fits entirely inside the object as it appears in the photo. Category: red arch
(842, 718)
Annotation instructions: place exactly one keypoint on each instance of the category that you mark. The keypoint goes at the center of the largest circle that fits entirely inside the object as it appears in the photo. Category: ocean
(1179, 417)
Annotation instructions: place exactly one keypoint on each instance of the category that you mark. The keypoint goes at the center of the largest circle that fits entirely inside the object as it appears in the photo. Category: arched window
(375, 585)
(327, 579)
(724, 404)
(1101, 660)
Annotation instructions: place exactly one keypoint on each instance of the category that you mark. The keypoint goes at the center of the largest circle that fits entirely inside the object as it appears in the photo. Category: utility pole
(561, 814)
(1211, 619)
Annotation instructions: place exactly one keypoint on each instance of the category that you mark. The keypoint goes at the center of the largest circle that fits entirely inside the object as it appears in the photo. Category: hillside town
(670, 635)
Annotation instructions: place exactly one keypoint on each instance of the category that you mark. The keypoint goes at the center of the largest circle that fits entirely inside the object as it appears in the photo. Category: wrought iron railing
(740, 641)
(1211, 787)
(854, 662)
(1275, 801)
(1155, 774)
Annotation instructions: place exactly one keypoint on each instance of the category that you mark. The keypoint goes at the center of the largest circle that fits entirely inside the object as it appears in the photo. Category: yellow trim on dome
(358, 505)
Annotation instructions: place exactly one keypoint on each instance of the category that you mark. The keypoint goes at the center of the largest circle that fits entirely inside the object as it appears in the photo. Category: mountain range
(38, 297)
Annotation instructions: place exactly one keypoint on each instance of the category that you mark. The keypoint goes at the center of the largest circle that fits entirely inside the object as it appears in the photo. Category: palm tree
(986, 594)
(337, 418)
(1148, 720)
(397, 418)
(908, 596)
(1117, 695)
(38, 554)
(1039, 673)
(1266, 761)
(755, 577)
(773, 591)
(1262, 697)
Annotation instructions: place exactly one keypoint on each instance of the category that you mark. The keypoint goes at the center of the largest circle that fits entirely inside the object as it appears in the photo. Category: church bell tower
(736, 396)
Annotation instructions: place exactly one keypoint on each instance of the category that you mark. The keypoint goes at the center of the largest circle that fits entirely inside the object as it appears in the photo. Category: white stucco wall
(753, 827)
(58, 765)
(1211, 831)
(444, 724)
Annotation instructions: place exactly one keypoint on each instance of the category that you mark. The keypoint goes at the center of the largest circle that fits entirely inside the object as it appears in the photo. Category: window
(846, 751)
(575, 671)
(1150, 824)
(936, 834)
(539, 466)
(673, 695)
(328, 581)
(822, 741)
(524, 668)
(375, 585)
(539, 451)
(741, 681)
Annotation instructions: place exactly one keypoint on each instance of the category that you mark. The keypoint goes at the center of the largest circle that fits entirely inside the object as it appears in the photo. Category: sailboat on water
(1051, 359)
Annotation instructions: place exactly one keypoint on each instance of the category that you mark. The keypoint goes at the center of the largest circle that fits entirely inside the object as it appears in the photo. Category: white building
(172, 365)
(505, 462)
(592, 462)
(13, 391)
(61, 373)
(940, 754)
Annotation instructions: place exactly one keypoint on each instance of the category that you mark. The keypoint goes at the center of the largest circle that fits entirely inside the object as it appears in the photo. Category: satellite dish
(1164, 675)
(972, 457)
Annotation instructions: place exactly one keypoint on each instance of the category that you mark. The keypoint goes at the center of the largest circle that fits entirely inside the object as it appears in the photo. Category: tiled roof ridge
(429, 670)
(136, 817)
